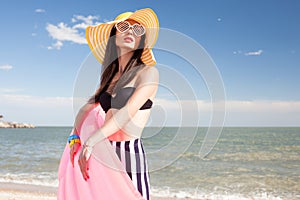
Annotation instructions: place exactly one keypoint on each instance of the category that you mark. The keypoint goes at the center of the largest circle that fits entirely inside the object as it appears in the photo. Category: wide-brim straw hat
(97, 36)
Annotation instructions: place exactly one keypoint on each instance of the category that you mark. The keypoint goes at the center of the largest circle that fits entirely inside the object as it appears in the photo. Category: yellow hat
(97, 36)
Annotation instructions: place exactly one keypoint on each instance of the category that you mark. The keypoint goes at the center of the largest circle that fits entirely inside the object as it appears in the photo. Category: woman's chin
(128, 46)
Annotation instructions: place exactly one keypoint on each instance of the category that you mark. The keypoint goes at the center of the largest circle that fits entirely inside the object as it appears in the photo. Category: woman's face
(128, 40)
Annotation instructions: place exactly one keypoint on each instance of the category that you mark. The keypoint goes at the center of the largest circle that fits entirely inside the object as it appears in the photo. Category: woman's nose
(130, 30)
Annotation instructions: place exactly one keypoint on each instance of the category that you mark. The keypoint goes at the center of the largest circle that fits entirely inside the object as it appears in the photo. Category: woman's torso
(133, 129)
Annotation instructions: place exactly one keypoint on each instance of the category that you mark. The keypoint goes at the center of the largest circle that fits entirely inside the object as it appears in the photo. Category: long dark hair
(110, 66)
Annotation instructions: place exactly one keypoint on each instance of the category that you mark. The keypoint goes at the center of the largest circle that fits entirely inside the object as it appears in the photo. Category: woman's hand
(84, 157)
(73, 151)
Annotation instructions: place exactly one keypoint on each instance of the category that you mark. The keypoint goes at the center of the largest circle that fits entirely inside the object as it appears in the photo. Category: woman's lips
(128, 39)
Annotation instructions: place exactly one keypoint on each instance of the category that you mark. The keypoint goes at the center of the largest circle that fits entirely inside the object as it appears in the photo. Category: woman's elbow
(87, 107)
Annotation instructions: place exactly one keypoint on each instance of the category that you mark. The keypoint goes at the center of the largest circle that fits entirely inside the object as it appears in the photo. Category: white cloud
(107, 20)
(80, 26)
(37, 110)
(86, 21)
(254, 53)
(62, 32)
(238, 113)
(263, 113)
(61, 111)
(39, 10)
(56, 45)
(10, 90)
(237, 52)
(6, 67)
(75, 33)
(263, 106)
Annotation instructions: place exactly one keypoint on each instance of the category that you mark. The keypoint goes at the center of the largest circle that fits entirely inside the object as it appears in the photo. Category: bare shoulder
(150, 69)
(148, 73)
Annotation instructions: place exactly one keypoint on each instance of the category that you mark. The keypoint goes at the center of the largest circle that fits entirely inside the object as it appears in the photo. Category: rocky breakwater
(4, 124)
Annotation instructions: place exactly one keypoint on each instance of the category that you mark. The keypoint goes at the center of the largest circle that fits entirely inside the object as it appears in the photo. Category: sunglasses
(137, 29)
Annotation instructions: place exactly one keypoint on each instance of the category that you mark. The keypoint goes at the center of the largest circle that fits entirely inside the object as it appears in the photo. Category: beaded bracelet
(72, 137)
(74, 141)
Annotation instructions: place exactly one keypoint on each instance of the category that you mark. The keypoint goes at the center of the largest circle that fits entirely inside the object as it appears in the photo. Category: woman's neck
(124, 59)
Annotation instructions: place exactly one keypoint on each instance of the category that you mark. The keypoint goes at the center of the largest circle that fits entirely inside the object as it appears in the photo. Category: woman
(111, 160)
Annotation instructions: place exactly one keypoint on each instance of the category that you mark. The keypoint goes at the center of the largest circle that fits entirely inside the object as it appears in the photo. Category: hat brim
(97, 36)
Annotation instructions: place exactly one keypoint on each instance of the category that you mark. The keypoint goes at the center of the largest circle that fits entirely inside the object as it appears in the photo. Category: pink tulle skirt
(108, 178)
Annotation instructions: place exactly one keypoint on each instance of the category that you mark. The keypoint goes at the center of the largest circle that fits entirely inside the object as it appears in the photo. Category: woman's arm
(147, 84)
(82, 113)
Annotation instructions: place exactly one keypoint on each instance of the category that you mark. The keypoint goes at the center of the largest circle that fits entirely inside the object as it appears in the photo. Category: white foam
(50, 179)
(43, 179)
(196, 194)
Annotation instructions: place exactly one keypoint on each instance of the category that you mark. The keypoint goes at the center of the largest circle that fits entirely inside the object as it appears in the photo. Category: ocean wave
(41, 179)
(217, 193)
(253, 156)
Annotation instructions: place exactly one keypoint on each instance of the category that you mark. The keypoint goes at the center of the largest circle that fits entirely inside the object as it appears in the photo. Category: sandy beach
(14, 191)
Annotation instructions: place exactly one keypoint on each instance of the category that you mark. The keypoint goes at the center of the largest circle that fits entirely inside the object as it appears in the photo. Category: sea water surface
(246, 163)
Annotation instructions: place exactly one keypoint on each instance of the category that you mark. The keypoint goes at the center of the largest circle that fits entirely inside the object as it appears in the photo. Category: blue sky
(255, 45)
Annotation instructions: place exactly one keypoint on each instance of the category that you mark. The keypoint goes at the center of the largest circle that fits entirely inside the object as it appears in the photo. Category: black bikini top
(120, 99)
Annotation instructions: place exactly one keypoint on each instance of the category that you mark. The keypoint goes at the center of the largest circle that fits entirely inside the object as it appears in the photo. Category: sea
(244, 163)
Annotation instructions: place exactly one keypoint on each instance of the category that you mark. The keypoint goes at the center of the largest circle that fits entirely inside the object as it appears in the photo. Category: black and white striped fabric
(132, 156)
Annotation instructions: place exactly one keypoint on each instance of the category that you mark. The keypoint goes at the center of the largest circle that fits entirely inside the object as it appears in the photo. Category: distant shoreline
(70, 126)
(26, 125)
(4, 124)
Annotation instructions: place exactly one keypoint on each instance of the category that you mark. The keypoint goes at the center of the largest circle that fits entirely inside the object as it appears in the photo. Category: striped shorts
(132, 156)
